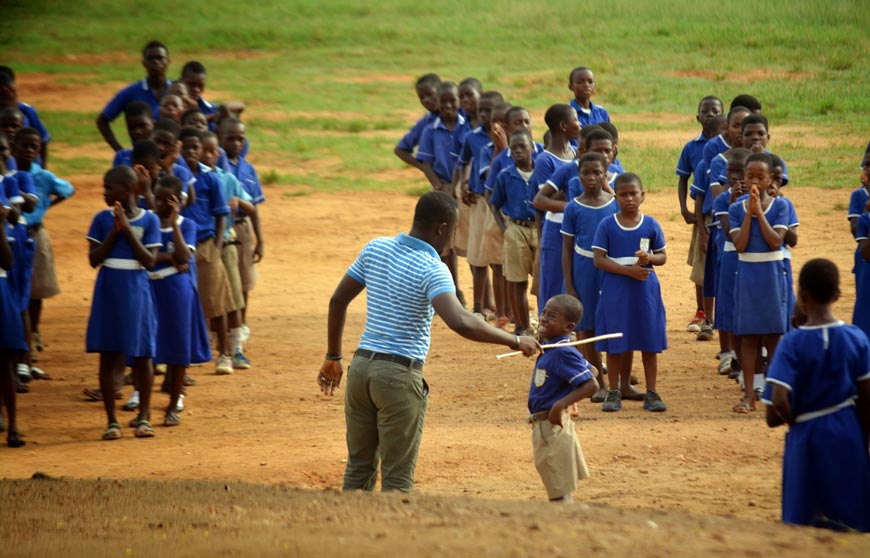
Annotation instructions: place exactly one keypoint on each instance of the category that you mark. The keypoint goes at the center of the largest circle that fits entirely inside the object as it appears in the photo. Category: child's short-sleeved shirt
(167, 240)
(857, 202)
(692, 153)
(145, 226)
(210, 203)
(714, 147)
(776, 215)
(581, 222)
(545, 165)
(510, 194)
(503, 160)
(9, 182)
(716, 172)
(595, 114)
(402, 276)
(31, 120)
(701, 186)
(560, 177)
(232, 189)
(138, 91)
(472, 145)
(437, 145)
(412, 139)
(247, 176)
(620, 243)
(47, 186)
(558, 372)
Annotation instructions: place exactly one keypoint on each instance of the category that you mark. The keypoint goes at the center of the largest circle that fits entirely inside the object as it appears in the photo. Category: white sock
(23, 369)
(235, 340)
(758, 381)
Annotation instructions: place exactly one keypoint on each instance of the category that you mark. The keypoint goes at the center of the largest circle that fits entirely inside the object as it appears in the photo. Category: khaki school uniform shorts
(697, 254)
(44, 280)
(520, 245)
(247, 268)
(558, 456)
(230, 258)
(212, 282)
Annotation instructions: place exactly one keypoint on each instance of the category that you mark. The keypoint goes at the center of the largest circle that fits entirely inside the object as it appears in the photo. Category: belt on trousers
(520, 222)
(540, 416)
(398, 359)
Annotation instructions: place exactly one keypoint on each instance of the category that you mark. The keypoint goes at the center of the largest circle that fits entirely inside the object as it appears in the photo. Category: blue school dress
(11, 329)
(760, 290)
(825, 467)
(861, 314)
(123, 318)
(727, 268)
(786, 262)
(182, 337)
(15, 185)
(580, 222)
(551, 282)
(627, 305)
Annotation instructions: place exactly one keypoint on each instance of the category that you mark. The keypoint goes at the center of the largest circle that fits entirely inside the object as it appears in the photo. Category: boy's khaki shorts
(247, 268)
(697, 254)
(212, 282)
(476, 224)
(520, 245)
(44, 280)
(493, 238)
(460, 237)
(558, 456)
(230, 258)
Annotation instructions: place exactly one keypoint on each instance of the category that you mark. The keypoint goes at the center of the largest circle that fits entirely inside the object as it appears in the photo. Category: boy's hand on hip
(556, 413)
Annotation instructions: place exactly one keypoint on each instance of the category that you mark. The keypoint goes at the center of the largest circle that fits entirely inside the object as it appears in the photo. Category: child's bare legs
(618, 369)
(111, 367)
(625, 379)
(143, 374)
(520, 303)
(244, 310)
(175, 374)
(499, 290)
(750, 357)
(219, 326)
(480, 276)
(7, 390)
(650, 369)
(699, 296)
(35, 311)
(452, 262)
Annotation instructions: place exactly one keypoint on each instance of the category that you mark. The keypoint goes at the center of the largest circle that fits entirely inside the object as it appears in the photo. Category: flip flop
(171, 419)
(39, 374)
(134, 422)
(113, 432)
(144, 430)
(746, 405)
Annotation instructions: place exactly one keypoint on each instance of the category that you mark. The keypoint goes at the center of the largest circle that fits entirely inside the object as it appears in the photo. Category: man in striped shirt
(386, 396)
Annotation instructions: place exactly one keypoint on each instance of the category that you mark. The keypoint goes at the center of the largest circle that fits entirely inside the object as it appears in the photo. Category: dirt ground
(255, 466)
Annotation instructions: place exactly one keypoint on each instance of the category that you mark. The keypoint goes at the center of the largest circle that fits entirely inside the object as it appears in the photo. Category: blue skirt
(861, 313)
(724, 315)
(790, 297)
(182, 336)
(123, 318)
(711, 264)
(11, 328)
(587, 283)
(551, 281)
(760, 297)
(21, 274)
(634, 308)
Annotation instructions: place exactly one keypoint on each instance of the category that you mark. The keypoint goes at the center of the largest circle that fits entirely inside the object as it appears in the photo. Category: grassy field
(330, 83)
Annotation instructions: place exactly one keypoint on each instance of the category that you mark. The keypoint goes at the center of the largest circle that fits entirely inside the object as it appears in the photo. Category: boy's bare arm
(433, 178)
(259, 249)
(408, 158)
(682, 193)
(105, 129)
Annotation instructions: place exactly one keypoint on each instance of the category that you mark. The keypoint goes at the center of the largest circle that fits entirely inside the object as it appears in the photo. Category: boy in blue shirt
(155, 59)
(140, 125)
(581, 82)
(426, 91)
(9, 97)
(562, 377)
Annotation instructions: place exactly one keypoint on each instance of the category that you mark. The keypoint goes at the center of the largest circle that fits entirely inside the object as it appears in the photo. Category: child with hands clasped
(819, 384)
(626, 247)
(123, 324)
(561, 378)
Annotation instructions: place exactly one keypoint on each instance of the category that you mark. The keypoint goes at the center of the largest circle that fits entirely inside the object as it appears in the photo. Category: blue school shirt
(714, 147)
(472, 145)
(10, 190)
(167, 240)
(776, 215)
(412, 139)
(210, 203)
(701, 185)
(558, 372)
(138, 91)
(247, 176)
(857, 202)
(510, 194)
(232, 189)
(145, 225)
(503, 160)
(595, 114)
(692, 153)
(437, 144)
(561, 176)
(616, 167)
(47, 185)
(31, 120)
(720, 208)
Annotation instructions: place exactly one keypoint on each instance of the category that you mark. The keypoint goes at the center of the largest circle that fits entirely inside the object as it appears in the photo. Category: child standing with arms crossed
(582, 278)
(561, 378)
(819, 384)
(626, 247)
(123, 240)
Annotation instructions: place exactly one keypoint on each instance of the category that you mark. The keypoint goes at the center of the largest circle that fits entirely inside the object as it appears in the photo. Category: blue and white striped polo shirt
(402, 276)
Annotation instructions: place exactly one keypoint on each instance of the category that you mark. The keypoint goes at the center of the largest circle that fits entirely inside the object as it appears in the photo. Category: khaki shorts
(558, 456)
(214, 288)
(230, 258)
(460, 237)
(247, 268)
(493, 239)
(520, 245)
(476, 224)
(697, 254)
(44, 280)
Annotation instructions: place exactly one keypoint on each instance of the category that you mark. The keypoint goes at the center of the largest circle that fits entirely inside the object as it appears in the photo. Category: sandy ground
(696, 480)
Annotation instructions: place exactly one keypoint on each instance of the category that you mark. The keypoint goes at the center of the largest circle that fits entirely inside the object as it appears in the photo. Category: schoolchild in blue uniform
(147, 160)
(171, 107)
(155, 59)
(12, 333)
(819, 384)
(426, 92)
(562, 377)
(861, 315)
(614, 168)
(166, 135)
(510, 201)
(9, 97)
(725, 141)
(758, 225)
(124, 240)
(182, 337)
(563, 126)
(791, 238)
(755, 133)
(859, 200)
(140, 126)
(626, 247)
(727, 267)
(469, 97)
(582, 278)
(581, 82)
(516, 118)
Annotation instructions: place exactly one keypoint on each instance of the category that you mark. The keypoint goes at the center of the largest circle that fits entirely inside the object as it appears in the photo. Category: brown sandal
(746, 405)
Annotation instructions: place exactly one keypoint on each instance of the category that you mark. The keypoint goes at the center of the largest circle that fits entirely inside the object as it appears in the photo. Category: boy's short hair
(761, 157)
(737, 155)
(168, 125)
(738, 110)
(557, 114)
(227, 122)
(188, 113)
(138, 108)
(155, 44)
(710, 98)
(12, 111)
(597, 135)
(123, 174)
(172, 183)
(27, 131)
(577, 70)
(754, 119)
(502, 107)
(586, 130)
(522, 132)
(474, 83)
(428, 80)
(611, 129)
(193, 67)
(7, 80)
(494, 96)
(434, 208)
(511, 111)
(190, 132)
(445, 86)
(6, 70)
(776, 159)
(820, 279)
(747, 101)
(593, 157)
(208, 134)
(570, 306)
(145, 150)
(625, 178)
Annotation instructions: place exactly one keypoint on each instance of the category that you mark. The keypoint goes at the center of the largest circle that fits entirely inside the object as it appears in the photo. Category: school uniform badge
(540, 377)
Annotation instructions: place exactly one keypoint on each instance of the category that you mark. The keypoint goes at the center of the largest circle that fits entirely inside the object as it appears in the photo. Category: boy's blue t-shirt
(232, 189)
(692, 153)
(475, 141)
(510, 194)
(210, 203)
(595, 114)
(47, 185)
(247, 176)
(857, 202)
(504, 160)
(437, 144)
(412, 139)
(714, 147)
(558, 372)
(138, 91)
